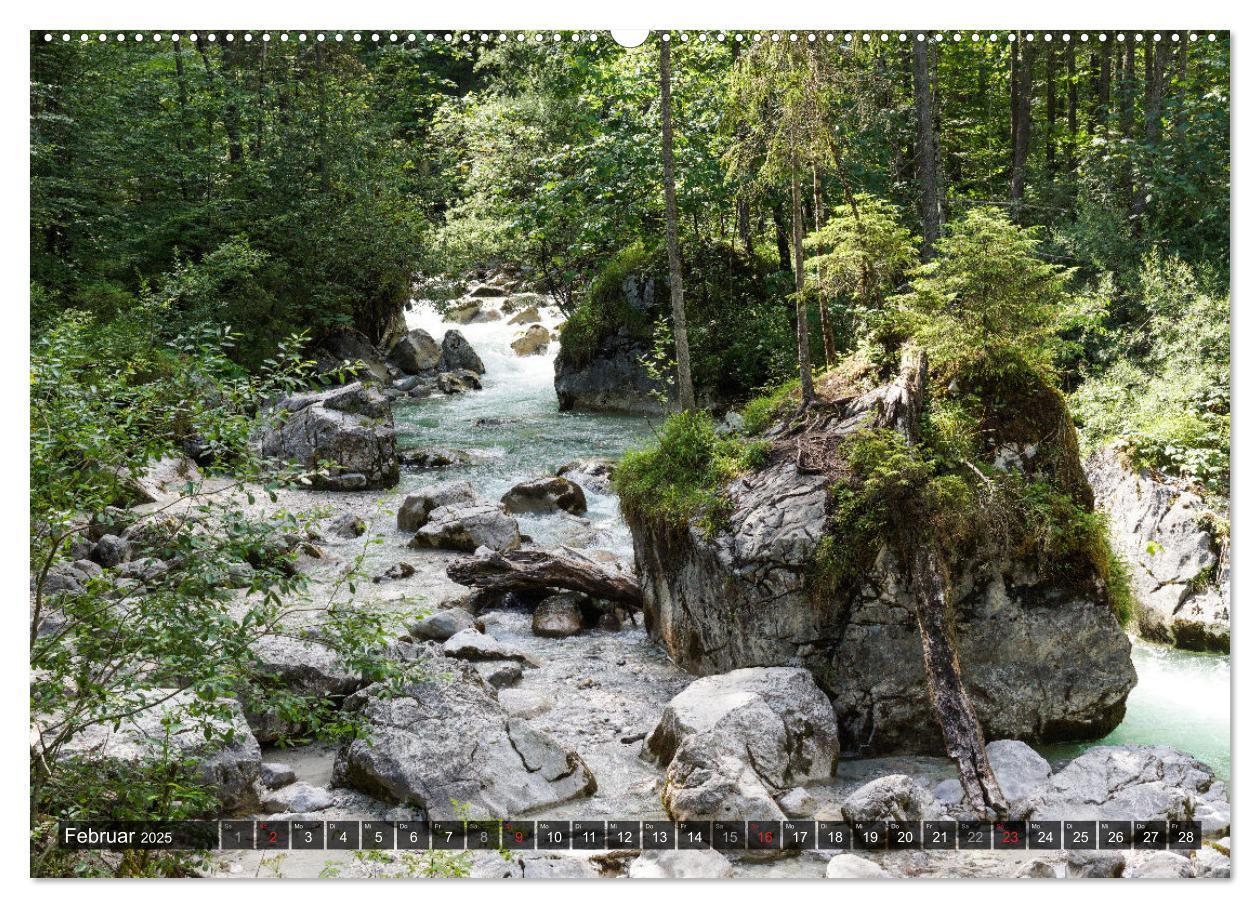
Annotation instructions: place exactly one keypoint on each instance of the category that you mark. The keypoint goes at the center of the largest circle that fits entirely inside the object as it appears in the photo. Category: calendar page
(574, 453)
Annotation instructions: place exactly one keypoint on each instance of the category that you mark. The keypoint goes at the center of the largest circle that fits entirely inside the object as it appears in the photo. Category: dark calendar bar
(646, 835)
(724, 835)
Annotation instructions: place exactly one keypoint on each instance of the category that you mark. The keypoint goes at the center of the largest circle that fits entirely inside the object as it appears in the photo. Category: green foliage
(1167, 395)
(987, 307)
(761, 412)
(860, 255)
(684, 477)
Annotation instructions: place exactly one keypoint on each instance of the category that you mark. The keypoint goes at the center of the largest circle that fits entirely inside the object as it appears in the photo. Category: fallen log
(898, 407)
(533, 570)
(964, 740)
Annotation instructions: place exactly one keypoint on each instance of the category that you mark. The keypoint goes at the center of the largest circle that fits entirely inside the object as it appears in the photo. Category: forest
(1041, 213)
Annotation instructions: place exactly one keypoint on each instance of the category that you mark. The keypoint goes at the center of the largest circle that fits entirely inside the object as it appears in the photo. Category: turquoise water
(515, 430)
(1182, 699)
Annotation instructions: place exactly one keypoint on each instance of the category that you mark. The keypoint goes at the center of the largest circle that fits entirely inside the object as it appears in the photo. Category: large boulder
(545, 496)
(1018, 768)
(687, 864)
(1179, 559)
(855, 867)
(558, 616)
(227, 759)
(731, 742)
(458, 381)
(1044, 657)
(1123, 782)
(350, 350)
(417, 507)
(442, 625)
(446, 746)
(533, 341)
(458, 354)
(467, 527)
(895, 797)
(594, 474)
(613, 377)
(350, 427)
(416, 352)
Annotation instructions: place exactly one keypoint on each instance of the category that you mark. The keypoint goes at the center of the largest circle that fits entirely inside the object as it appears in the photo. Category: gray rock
(276, 775)
(731, 741)
(1157, 865)
(1181, 573)
(462, 311)
(351, 427)
(558, 616)
(416, 352)
(348, 526)
(853, 867)
(417, 507)
(525, 704)
(227, 761)
(545, 496)
(1117, 782)
(798, 804)
(688, 864)
(1095, 864)
(533, 341)
(1044, 661)
(1210, 863)
(612, 379)
(448, 741)
(499, 674)
(400, 571)
(466, 528)
(556, 867)
(458, 381)
(144, 569)
(111, 551)
(304, 667)
(1036, 869)
(594, 474)
(458, 354)
(806, 725)
(895, 797)
(1212, 810)
(475, 646)
(442, 625)
(435, 458)
(299, 797)
(1019, 769)
(350, 350)
(527, 316)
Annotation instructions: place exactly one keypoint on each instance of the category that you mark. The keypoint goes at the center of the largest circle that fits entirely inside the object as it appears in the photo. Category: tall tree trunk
(824, 315)
(802, 309)
(1104, 85)
(1021, 104)
(183, 141)
(929, 199)
(1052, 111)
(1071, 107)
(782, 238)
(261, 99)
(1156, 62)
(230, 117)
(1126, 90)
(744, 222)
(682, 351)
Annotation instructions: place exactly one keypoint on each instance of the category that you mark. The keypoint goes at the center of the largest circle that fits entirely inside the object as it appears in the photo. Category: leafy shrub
(684, 476)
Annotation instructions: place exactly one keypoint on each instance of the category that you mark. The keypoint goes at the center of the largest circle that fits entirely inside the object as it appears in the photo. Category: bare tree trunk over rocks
(682, 354)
